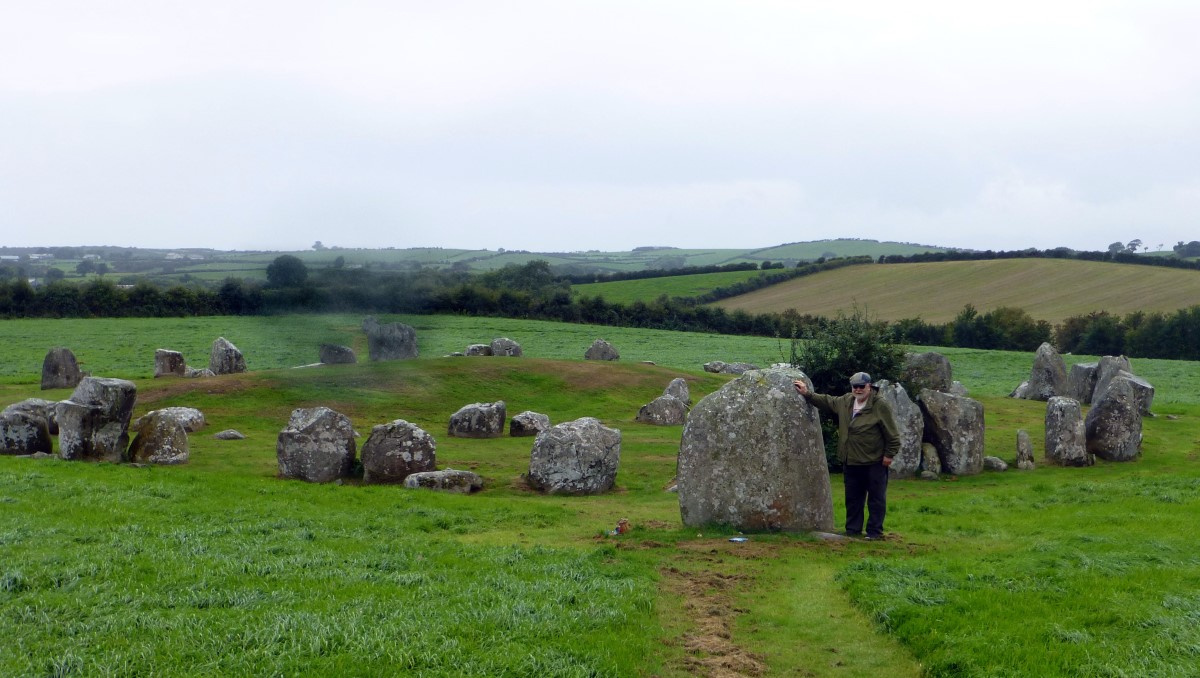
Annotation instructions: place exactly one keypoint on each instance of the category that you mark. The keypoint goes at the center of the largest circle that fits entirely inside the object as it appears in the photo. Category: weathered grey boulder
(169, 363)
(190, 418)
(46, 410)
(955, 427)
(24, 432)
(196, 373)
(60, 369)
(1113, 425)
(225, 358)
(317, 446)
(1048, 377)
(1024, 450)
(528, 423)
(575, 457)
(479, 349)
(447, 480)
(230, 434)
(927, 370)
(336, 354)
(159, 438)
(665, 410)
(479, 420)
(991, 463)
(506, 348)
(393, 341)
(1107, 369)
(601, 350)
(679, 388)
(93, 424)
(1081, 381)
(931, 464)
(752, 457)
(1141, 388)
(910, 423)
(1066, 444)
(721, 367)
(395, 450)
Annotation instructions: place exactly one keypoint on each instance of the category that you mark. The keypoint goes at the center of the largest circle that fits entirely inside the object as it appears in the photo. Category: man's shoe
(852, 535)
(874, 537)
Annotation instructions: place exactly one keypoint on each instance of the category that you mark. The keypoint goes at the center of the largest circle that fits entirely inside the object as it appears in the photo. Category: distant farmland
(1048, 289)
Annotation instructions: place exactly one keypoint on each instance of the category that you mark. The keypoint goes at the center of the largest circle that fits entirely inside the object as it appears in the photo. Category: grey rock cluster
(391, 341)
(501, 346)
(223, 358)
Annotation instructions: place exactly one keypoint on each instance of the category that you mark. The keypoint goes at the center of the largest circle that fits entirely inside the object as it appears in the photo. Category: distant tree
(1133, 245)
(287, 271)
(53, 274)
(318, 246)
(1116, 247)
(86, 266)
(101, 268)
(340, 262)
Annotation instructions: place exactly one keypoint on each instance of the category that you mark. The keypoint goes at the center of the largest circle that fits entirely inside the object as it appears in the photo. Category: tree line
(534, 291)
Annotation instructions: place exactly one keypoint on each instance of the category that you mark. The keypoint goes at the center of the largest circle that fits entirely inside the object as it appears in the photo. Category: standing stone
(910, 424)
(752, 458)
(955, 427)
(1024, 450)
(479, 350)
(24, 432)
(44, 410)
(1048, 377)
(395, 450)
(575, 457)
(317, 446)
(1066, 444)
(528, 423)
(666, 410)
(601, 350)
(225, 358)
(927, 370)
(159, 438)
(336, 354)
(93, 424)
(169, 363)
(1113, 425)
(393, 341)
(506, 348)
(679, 388)
(60, 369)
(1142, 389)
(479, 420)
(1081, 381)
(1107, 370)
(447, 480)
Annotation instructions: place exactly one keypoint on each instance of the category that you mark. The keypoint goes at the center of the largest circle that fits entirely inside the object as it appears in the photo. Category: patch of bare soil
(708, 601)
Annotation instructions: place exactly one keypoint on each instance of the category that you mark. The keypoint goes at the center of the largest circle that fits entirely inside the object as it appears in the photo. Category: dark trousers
(866, 485)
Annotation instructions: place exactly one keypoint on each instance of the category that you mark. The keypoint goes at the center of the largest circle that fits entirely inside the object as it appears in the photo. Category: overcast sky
(563, 125)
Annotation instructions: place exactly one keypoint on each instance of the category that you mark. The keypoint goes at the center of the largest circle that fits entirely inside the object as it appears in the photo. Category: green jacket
(867, 438)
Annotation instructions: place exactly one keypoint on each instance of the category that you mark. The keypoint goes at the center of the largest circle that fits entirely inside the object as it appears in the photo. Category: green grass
(218, 568)
(1048, 289)
(629, 291)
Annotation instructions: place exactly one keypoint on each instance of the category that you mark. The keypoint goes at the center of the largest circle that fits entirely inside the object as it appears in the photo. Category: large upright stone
(1048, 378)
(910, 424)
(601, 350)
(395, 450)
(1024, 450)
(1081, 381)
(927, 370)
(679, 388)
(1066, 444)
(752, 458)
(575, 457)
(1107, 369)
(393, 341)
(225, 358)
(93, 424)
(665, 410)
(954, 425)
(479, 420)
(317, 445)
(159, 438)
(168, 363)
(1142, 389)
(1113, 425)
(60, 369)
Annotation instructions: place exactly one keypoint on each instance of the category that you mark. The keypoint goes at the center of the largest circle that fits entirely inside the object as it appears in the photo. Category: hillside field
(218, 568)
(1048, 289)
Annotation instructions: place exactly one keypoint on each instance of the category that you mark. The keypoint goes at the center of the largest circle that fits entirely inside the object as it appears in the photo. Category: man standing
(867, 441)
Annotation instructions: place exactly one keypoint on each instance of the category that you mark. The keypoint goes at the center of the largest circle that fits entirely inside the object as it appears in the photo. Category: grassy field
(217, 568)
(1048, 289)
(629, 291)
